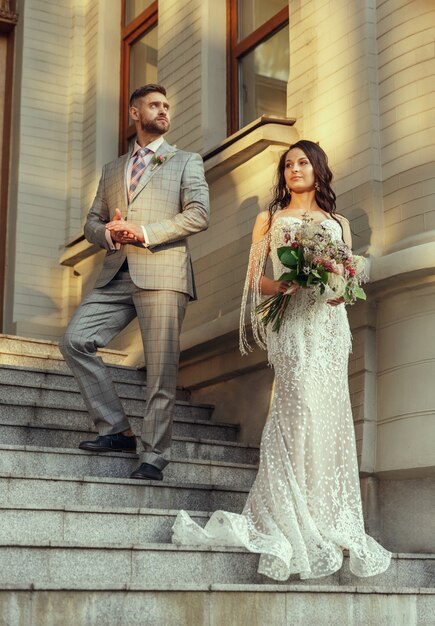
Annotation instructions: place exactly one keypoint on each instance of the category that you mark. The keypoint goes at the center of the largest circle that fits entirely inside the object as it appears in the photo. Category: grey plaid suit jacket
(171, 201)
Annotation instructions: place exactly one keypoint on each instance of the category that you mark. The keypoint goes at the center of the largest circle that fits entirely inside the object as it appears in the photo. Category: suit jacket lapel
(122, 177)
(152, 168)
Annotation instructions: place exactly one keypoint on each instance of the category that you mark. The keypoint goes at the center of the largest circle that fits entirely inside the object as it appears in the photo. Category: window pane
(133, 8)
(254, 13)
(263, 76)
(143, 60)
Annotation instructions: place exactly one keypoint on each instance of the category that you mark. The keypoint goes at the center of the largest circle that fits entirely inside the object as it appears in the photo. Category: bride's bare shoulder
(341, 218)
(262, 218)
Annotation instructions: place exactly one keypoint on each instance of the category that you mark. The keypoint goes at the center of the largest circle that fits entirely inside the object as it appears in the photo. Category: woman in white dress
(305, 505)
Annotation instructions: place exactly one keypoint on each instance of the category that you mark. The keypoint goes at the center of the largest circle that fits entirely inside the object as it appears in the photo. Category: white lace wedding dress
(305, 504)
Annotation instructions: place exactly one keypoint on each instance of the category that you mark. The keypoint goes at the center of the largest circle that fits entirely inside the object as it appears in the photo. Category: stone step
(90, 525)
(74, 564)
(26, 351)
(65, 399)
(18, 490)
(185, 422)
(129, 381)
(30, 460)
(216, 605)
(182, 447)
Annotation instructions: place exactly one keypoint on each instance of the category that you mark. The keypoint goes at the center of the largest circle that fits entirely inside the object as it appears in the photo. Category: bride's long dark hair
(325, 196)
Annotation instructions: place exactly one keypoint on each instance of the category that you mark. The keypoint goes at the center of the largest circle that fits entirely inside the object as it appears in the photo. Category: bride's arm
(345, 227)
(347, 238)
(268, 286)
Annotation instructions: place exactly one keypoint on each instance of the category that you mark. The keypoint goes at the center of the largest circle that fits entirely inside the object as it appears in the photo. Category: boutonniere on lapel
(159, 159)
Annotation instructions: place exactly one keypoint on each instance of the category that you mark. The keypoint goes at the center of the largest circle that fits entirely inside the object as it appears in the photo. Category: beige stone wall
(42, 165)
(64, 132)
(406, 368)
(192, 66)
(406, 106)
(406, 309)
(333, 93)
(180, 27)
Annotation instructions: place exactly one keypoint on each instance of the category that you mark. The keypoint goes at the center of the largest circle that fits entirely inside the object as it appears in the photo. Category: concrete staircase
(81, 544)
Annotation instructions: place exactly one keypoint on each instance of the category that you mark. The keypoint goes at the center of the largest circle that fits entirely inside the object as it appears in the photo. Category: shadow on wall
(249, 209)
(361, 230)
(37, 314)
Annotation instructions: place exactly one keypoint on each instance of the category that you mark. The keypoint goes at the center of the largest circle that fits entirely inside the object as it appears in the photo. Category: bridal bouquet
(314, 258)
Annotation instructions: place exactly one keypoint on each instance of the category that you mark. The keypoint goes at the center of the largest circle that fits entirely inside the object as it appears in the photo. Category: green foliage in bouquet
(315, 261)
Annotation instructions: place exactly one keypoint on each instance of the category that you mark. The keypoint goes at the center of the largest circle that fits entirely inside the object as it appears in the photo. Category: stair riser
(32, 436)
(196, 608)
(22, 492)
(35, 378)
(87, 528)
(24, 381)
(75, 567)
(202, 431)
(28, 463)
(72, 400)
(80, 420)
(52, 363)
(60, 399)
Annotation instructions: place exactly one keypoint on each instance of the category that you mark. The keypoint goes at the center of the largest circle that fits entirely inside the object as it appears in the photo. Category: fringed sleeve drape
(256, 266)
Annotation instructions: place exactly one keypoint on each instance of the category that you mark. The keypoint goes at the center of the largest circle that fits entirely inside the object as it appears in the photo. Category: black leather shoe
(110, 443)
(147, 472)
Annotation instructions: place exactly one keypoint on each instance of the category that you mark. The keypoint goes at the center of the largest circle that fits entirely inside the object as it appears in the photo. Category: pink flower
(159, 159)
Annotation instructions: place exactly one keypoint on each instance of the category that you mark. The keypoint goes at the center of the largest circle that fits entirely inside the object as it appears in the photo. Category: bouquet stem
(273, 309)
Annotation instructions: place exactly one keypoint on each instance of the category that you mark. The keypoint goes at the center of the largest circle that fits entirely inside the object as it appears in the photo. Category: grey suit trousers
(98, 319)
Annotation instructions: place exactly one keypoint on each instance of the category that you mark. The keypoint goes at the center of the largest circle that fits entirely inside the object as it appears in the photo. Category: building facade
(245, 78)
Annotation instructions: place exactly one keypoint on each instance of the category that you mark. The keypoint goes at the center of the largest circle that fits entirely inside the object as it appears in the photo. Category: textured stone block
(90, 526)
(182, 447)
(28, 461)
(111, 492)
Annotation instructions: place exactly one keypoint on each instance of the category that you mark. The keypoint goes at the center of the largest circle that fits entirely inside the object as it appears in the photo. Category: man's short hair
(143, 91)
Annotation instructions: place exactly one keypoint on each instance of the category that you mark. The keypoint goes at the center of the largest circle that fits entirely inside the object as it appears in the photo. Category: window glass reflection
(254, 13)
(263, 76)
(143, 60)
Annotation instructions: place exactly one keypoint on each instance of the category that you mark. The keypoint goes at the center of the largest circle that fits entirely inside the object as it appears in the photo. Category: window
(258, 60)
(138, 58)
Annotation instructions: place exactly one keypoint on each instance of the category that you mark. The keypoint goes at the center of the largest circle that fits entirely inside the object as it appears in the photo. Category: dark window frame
(236, 50)
(130, 33)
(8, 22)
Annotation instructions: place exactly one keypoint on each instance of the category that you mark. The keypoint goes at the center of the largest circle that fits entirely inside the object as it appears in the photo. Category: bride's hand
(286, 287)
(336, 301)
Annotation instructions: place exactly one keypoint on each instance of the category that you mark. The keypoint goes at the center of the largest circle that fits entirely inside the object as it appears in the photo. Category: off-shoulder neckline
(299, 219)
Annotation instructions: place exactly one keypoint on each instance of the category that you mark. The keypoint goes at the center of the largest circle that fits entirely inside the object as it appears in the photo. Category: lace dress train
(305, 504)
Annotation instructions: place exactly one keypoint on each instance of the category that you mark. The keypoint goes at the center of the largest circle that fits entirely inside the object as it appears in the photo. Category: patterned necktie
(137, 170)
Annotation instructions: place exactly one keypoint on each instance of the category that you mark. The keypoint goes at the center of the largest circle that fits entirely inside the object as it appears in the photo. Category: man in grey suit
(148, 202)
